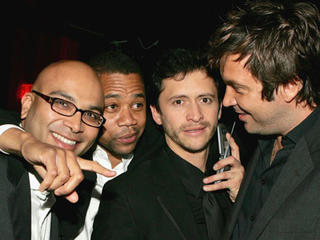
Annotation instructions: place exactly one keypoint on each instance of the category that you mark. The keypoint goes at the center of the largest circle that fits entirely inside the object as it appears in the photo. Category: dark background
(38, 32)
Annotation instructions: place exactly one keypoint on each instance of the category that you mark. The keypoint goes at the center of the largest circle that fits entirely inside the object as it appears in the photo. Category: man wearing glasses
(65, 110)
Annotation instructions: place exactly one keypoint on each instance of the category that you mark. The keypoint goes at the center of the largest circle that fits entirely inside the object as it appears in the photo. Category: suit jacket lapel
(242, 191)
(297, 167)
(71, 216)
(20, 199)
(54, 230)
(172, 198)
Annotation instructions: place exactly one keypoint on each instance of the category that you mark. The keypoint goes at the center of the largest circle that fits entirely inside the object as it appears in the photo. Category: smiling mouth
(63, 139)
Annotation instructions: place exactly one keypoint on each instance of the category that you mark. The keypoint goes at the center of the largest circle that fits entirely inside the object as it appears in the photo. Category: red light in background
(22, 89)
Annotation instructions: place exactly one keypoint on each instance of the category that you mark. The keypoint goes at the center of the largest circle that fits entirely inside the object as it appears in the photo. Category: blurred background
(38, 32)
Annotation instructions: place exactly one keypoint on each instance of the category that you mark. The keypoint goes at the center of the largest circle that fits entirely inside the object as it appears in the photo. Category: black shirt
(266, 175)
(191, 178)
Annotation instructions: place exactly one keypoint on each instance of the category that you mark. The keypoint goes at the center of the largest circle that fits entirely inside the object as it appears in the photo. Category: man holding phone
(163, 197)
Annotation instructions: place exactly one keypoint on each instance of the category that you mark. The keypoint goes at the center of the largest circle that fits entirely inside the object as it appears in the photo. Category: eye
(206, 100)
(238, 90)
(177, 102)
(62, 104)
(92, 115)
(138, 106)
(111, 108)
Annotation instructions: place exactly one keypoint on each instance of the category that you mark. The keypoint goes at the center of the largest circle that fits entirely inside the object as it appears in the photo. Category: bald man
(63, 110)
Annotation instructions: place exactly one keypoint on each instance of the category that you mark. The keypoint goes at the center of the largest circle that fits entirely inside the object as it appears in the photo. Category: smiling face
(72, 81)
(244, 94)
(189, 112)
(125, 111)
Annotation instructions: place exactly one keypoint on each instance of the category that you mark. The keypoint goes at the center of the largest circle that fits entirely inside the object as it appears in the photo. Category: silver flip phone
(223, 145)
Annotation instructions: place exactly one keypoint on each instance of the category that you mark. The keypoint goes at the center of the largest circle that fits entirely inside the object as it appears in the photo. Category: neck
(197, 159)
(296, 115)
(113, 158)
(276, 147)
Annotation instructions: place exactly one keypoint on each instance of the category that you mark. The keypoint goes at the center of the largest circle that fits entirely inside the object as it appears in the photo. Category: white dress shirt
(101, 157)
(41, 202)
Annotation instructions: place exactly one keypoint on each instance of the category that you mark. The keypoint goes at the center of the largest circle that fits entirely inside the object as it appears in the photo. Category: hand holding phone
(223, 145)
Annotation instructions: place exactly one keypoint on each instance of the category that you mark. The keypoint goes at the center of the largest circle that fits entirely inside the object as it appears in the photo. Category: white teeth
(63, 139)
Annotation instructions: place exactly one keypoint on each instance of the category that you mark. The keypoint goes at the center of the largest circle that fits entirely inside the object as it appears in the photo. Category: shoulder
(133, 175)
(7, 116)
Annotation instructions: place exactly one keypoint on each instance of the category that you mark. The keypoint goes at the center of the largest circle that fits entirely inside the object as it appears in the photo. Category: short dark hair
(282, 41)
(114, 61)
(177, 63)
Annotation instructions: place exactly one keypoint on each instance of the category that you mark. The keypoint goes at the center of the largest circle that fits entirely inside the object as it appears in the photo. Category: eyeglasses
(68, 109)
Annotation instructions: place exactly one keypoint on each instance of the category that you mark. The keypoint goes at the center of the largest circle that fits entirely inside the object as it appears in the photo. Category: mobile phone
(223, 145)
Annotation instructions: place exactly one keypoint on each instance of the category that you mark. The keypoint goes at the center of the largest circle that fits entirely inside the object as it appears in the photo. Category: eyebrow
(201, 95)
(62, 94)
(114, 95)
(234, 84)
(208, 94)
(71, 99)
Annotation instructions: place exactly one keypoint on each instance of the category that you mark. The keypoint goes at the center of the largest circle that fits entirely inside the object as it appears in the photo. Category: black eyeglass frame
(51, 101)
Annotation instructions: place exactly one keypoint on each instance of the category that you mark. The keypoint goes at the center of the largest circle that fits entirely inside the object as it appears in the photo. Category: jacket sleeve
(7, 116)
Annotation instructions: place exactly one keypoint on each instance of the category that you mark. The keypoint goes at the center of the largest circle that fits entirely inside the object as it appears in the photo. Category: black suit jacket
(72, 216)
(7, 116)
(15, 200)
(292, 210)
(149, 202)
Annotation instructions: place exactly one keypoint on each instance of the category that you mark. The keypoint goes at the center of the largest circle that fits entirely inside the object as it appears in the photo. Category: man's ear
(155, 115)
(26, 103)
(290, 90)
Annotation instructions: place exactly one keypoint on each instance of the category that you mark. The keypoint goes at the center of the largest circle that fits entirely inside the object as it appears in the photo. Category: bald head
(71, 81)
(65, 72)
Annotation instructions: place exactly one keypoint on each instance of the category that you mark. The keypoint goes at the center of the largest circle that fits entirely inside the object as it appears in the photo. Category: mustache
(127, 131)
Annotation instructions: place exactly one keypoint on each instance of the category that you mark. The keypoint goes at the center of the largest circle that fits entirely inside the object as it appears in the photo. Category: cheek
(106, 135)
(141, 118)
(91, 134)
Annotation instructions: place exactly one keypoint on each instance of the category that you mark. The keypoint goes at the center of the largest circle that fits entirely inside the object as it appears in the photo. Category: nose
(74, 122)
(229, 99)
(126, 117)
(194, 113)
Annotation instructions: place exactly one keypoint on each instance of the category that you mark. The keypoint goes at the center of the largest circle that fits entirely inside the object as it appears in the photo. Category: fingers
(95, 167)
(61, 159)
(74, 176)
(60, 169)
(230, 179)
(72, 197)
(64, 173)
(234, 147)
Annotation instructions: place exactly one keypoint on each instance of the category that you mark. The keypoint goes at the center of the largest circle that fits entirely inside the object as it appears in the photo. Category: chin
(123, 151)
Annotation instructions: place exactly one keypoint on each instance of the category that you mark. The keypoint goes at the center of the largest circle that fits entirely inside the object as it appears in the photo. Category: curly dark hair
(177, 63)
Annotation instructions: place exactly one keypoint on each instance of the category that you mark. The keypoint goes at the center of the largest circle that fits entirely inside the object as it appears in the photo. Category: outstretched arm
(60, 169)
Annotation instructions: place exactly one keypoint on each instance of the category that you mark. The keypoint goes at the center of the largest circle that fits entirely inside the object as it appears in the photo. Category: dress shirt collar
(101, 156)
